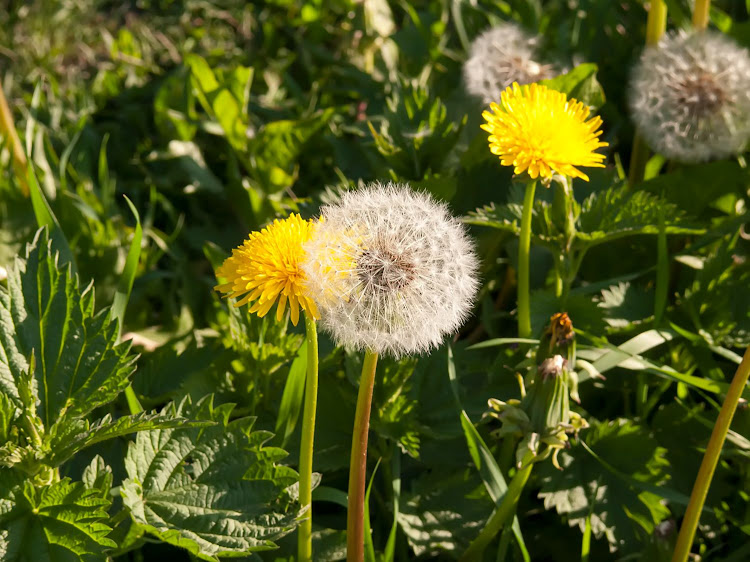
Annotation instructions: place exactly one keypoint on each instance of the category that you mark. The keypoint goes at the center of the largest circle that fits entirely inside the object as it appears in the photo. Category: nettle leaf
(63, 521)
(718, 300)
(508, 218)
(395, 409)
(43, 313)
(444, 511)
(619, 211)
(77, 435)
(621, 508)
(216, 491)
(626, 305)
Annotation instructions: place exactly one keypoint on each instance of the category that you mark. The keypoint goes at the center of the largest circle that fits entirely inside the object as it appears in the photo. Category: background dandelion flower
(500, 56)
(690, 96)
(539, 131)
(266, 269)
(391, 270)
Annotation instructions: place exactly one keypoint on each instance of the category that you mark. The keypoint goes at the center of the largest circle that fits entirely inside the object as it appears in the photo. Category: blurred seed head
(500, 56)
(390, 270)
(690, 96)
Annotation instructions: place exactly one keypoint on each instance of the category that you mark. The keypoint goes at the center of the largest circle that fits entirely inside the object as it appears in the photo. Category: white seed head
(391, 270)
(500, 56)
(690, 96)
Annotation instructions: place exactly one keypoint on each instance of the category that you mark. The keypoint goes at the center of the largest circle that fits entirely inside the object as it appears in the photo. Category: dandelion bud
(500, 56)
(391, 271)
(690, 96)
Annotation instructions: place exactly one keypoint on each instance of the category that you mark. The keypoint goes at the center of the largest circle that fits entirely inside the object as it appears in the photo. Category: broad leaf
(580, 83)
(621, 505)
(214, 491)
(80, 434)
(78, 365)
(63, 521)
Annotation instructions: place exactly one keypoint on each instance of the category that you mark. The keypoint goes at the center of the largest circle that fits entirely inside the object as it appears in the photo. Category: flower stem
(662, 273)
(503, 513)
(8, 130)
(355, 520)
(304, 532)
(524, 245)
(710, 460)
(656, 25)
(700, 14)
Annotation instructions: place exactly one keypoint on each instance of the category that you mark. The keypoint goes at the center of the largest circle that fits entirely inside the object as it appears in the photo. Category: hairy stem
(502, 514)
(355, 520)
(524, 245)
(304, 532)
(710, 460)
(700, 14)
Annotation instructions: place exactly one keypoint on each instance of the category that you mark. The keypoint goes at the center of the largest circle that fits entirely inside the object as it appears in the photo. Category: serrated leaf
(718, 300)
(626, 304)
(214, 491)
(620, 510)
(63, 521)
(44, 314)
(98, 476)
(75, 436)
(619, 211)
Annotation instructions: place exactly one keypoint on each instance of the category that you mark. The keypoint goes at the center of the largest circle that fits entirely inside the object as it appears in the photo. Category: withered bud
(552, 366)
(560, 330)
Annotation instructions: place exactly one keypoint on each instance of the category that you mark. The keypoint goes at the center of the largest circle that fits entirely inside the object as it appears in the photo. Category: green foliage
(215, 491)
(613, 486)
(213, 119)
(78, 364)
(56, 522)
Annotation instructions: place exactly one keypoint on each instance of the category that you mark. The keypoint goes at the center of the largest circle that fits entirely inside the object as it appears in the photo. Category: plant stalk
(355, 520)
(8, 130)
(701, 14)
(304, 532)
(502, 514)
(524, 245)
(656, 25)
(710, 460)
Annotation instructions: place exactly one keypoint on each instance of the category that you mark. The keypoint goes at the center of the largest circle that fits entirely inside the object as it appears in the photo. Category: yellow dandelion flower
(266, 269)
(540, 131)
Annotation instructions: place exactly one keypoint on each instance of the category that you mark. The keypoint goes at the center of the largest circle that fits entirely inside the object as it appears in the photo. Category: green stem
(8, 130)
(662, 273)
(304, 532)
(710, 460)
(524, 245)
(503, 513)
(586, 540)
(134, 404)
(700, 14)
(355, 520)
(656, 25)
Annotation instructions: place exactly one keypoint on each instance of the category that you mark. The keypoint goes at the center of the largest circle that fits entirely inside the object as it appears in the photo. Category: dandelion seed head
(265, 270)
(500, 56)
(391, 270)
(690, 96)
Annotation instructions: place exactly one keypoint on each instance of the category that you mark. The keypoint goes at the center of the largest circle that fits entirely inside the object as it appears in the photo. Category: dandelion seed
(391, 271)
(500, 56)
(539, 131)
(266, 270)
(690, 96)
